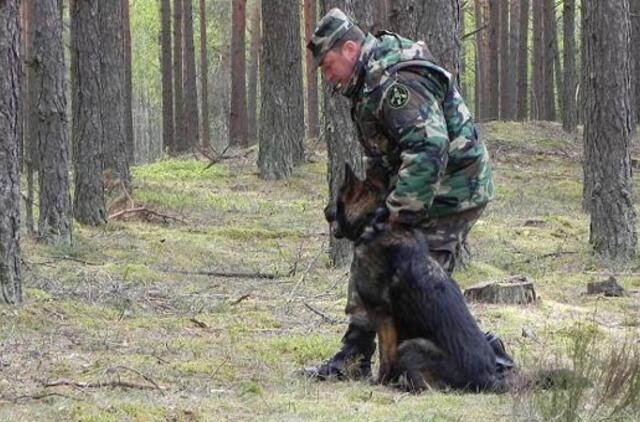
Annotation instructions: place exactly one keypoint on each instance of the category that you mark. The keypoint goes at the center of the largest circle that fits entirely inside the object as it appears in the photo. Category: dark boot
(352, 361)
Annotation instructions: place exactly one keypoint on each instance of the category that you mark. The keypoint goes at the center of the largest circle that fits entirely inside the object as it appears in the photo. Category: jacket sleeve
(412, 116)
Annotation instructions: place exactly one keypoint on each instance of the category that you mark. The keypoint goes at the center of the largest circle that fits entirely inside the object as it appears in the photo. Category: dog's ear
(349, 175)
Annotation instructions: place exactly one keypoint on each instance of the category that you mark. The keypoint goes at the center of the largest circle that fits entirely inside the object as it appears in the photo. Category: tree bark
(482, 60)
(635, 58)
(179, 137)
(128, 88)
(205, 135)
(550, 50)
(313, 128)
(437, 22)
(10, 108)
(339, 131)
(505, 61)
(494, 60)
(282, 110)
(538, 101)
(252, 105)
(238, 133)
(511, 80)
(168, 141)
(607, 133)
(49, 122)
(113, 90)
(190, 91)
(569, 113)
(523, 62)
(87, 129)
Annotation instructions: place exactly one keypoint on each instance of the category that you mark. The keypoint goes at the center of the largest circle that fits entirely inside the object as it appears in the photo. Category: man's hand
(384, 219)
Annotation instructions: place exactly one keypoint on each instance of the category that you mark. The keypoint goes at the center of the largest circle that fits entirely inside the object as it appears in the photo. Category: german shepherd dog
(426, 335)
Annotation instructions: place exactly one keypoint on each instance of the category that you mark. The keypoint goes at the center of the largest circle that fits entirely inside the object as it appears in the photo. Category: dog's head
(356, 202)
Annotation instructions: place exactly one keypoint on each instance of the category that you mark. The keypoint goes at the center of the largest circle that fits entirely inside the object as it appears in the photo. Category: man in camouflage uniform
(409, 115)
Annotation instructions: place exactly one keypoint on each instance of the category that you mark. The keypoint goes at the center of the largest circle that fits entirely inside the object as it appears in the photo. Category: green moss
(179, 169)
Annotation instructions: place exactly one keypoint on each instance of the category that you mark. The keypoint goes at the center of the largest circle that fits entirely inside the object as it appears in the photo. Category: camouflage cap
(330, 29)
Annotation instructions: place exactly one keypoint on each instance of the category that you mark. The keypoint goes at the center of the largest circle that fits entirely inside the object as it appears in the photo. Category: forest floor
(135, 316)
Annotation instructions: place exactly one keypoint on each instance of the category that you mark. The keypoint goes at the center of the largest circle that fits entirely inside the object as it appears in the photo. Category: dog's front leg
(387, 344)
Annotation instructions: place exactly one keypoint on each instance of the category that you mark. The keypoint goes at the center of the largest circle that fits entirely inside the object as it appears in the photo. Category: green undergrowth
(210, 313)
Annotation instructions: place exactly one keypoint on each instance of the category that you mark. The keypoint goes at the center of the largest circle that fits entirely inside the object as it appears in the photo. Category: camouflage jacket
(409, 112)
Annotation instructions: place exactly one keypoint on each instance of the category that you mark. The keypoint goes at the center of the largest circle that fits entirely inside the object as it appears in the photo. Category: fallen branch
(38, 397)
(198, 323)
(547, 255)
(146, 211)
(241, 298)
(224, 274)
(123, 384)
(326, 318)
(472, 33)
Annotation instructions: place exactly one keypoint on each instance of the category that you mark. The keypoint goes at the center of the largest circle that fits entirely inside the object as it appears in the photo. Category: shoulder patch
(397, 96)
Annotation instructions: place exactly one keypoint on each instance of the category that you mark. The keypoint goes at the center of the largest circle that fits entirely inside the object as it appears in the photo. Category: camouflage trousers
(446, 237)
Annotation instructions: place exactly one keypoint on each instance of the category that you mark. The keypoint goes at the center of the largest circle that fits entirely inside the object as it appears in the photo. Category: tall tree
(49, 125)
(437, 22)
(505, 62)
(238, 133)
(569, 112)
(538, 102)
(635, 58)
(86, 98)
(282, 110)
(205, 135)
(30, 145)
(313, 128)
(168, 142)
(10, 98)
(189, 74)
(494, 60)
(607, 133)
(113, 90)
(482, 60)
(179, 137)
(550, 54)
(252, 103)
(339, 131)
(523, 61)
(128, 89)
(511, 83)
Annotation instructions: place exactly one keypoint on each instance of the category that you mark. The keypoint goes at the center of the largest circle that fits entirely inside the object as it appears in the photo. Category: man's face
(337, 65)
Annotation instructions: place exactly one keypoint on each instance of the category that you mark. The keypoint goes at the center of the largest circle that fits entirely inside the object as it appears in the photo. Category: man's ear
(351, 49)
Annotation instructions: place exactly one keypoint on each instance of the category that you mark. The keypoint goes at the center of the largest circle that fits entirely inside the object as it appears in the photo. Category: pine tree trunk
(549, 23)
(437, 22)
(128, 88)
(340, 135)
(313, 128)
(511, 81)
(50, 129)
(10, 98)
(190, 91)
(494, 60)
(635, 58)
(168, 142)
(238, 133)
(282, 110)
(87, 130)
(179, 137)
(607, 132)
(482, 60)
(252, 105)
(538, 101)
(113, 90)
(505, 61)
(205, 135)
(523, 61)
(569, 116)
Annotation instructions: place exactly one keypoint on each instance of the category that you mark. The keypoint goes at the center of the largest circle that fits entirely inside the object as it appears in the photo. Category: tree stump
(609, 287)
(515, 290)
